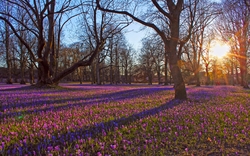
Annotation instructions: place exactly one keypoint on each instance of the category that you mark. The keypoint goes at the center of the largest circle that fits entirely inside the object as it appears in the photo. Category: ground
(124, 120)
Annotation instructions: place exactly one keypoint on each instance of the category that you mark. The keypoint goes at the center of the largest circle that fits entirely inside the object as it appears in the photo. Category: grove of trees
(177, 51)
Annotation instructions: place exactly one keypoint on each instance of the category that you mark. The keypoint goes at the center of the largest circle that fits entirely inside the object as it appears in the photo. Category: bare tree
(6, 8)
(39, 13)
(126, 63)
(99, 26)
(152, 55)
(235, 26)
(147, 60)
(170, 10)
(43, 15)
(206, 56)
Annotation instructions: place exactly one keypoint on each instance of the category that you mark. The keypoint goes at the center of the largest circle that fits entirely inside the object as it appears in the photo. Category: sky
(134, 35)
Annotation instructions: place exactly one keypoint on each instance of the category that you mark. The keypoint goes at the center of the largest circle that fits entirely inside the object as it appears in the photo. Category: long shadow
(13, 87)
(32, 88)
(89, 131)
(110, 97)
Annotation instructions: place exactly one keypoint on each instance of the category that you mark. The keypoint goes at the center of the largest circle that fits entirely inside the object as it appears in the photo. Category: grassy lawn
(124, 120)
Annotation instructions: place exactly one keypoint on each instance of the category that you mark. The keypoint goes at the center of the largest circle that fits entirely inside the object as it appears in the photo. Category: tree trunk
(98, 80)
(232, 73)
(52, 58)
(44, 74)
(243, 71)
(197, 76)
(166, 69)
(31, 73)
(22, 64)
(243, 56)
(149, 75)
(208, 76)
(79, 73)
(7, 49)
(126, 71)
(179, 85)
(116, 66)
(111, 66)
(237, 75)
(126, 75)
(159, 74)
(80, 63)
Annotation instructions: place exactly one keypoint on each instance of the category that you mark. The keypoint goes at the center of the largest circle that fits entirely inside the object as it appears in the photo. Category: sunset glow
(219, 49)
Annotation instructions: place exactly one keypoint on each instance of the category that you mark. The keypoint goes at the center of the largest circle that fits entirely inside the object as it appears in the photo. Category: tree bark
(111, 63)
(179, 85)
(208, 76)
(166, 69)
(7, 49)
(22, 65)
(197, 76)
(159, 74)
(170, 42)
(98, 79)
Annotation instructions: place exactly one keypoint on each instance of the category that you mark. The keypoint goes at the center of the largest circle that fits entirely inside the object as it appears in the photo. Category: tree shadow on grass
(89, 131)
(74, 102)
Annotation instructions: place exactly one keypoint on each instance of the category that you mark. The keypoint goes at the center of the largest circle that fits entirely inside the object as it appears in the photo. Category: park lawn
(124, 120)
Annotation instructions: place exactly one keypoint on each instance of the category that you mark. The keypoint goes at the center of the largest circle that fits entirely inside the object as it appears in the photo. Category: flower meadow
(86, 120)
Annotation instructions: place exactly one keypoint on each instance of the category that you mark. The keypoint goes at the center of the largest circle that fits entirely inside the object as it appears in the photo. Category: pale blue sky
(134, 35)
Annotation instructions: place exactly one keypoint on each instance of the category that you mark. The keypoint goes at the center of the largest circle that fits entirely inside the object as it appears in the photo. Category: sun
(219, 49)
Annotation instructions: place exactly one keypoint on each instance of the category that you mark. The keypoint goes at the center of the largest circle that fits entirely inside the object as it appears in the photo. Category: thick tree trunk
(179, 85)
(81, 63)
(243, 60)
(44, 77)
(243, 72)
(170, 41)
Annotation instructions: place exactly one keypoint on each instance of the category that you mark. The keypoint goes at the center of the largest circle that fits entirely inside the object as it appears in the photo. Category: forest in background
(32, 47)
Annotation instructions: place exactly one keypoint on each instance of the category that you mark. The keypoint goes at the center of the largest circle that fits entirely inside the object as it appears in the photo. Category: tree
(206, 56)
(99, 26)
(235, 27)
(169, 10)
(43, 16)
(204, 14)
(126, 63)
(147, 60)
(39, 13)
(6, 8)
(152, 55)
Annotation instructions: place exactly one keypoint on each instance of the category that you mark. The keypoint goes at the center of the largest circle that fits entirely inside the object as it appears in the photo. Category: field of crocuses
(124, 120)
